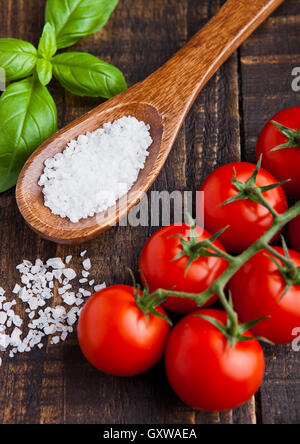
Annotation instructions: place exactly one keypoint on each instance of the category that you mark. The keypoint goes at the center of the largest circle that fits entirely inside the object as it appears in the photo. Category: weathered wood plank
(267, 60)
(213, 135)
(56, 384)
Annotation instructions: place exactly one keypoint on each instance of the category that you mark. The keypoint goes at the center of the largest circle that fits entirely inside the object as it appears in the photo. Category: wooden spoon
(162, 100)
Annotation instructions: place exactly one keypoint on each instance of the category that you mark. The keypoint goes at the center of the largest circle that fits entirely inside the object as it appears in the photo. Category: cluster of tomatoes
(121, 334)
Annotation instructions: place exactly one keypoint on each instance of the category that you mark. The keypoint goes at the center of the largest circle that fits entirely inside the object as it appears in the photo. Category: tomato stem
(250, 191)
(148, 301)
(293, 137)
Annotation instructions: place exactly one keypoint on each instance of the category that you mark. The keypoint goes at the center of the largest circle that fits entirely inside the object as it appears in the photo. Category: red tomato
(284, 163)
(114, 335)
(204, 372)
(248, 220)
(159, 270)
(294, 233)
(256, 291)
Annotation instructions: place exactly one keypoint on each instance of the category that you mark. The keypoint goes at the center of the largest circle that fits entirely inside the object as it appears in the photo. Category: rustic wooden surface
(162, 100)
(57, 385)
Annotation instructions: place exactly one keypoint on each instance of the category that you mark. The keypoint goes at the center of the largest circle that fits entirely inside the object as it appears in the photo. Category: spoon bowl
(162, 101)
(31, 199)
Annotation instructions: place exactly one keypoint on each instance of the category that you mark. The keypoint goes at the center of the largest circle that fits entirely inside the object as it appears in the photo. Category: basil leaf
(17, 58)
(85, 75)
(47, 44)
(74, 19)
(28, 116)
(44, 71)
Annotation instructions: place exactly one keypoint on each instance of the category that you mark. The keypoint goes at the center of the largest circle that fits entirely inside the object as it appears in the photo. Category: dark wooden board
(266, 64)
(56, 384)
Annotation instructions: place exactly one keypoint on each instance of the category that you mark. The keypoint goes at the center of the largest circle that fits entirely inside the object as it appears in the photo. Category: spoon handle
(173, 88)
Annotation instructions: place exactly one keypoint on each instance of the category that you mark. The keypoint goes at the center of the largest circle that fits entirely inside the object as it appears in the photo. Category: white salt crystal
(79, 301)
(68, 259)
(86, 264)
(83, 253)
(33, 303)
(3, 317)
(49, 276)
(4, 341)
(17, 321)
(64, 336)
(15, 337)
(96, 170)
(100, 287)
(57, 274)
(55, 263)
(69, 273)
(55, 340)
(37, 290)
(69, 298)
(16, 289)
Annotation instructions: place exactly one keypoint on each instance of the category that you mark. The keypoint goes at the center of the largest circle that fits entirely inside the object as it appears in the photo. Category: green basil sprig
(47, 44)
(27, 117)
(17, 58)
(85, 75)
(74, 19)
(28, 113)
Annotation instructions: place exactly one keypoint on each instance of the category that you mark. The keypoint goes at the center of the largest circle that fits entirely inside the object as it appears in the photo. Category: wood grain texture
(270, 56)
(56, 384)
(162, 100)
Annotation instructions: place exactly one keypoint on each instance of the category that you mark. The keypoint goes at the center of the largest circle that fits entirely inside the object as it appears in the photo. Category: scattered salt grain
(55, 263)
(86, 264)
(85, 293)
(55, 340)
(68, 259)
(3, 317)
(16, 289)
(69, 298)
(64, 336)
(95, 170)
(69, 273)
(35, 291)
(100, 287)
(83, 253)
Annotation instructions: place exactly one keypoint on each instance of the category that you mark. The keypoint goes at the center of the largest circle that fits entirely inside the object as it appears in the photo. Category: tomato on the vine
(257, 290)
(282, 131)
(206, 372)
(116, 336)
(294, 233)
(247, 220)
(160, 269)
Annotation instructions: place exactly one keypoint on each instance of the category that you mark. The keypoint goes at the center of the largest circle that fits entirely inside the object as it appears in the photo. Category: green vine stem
(235, 263)
(292, 136)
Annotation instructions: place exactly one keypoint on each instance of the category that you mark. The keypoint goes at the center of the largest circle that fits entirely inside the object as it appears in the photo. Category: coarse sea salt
(96, 170)
(34, 299)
